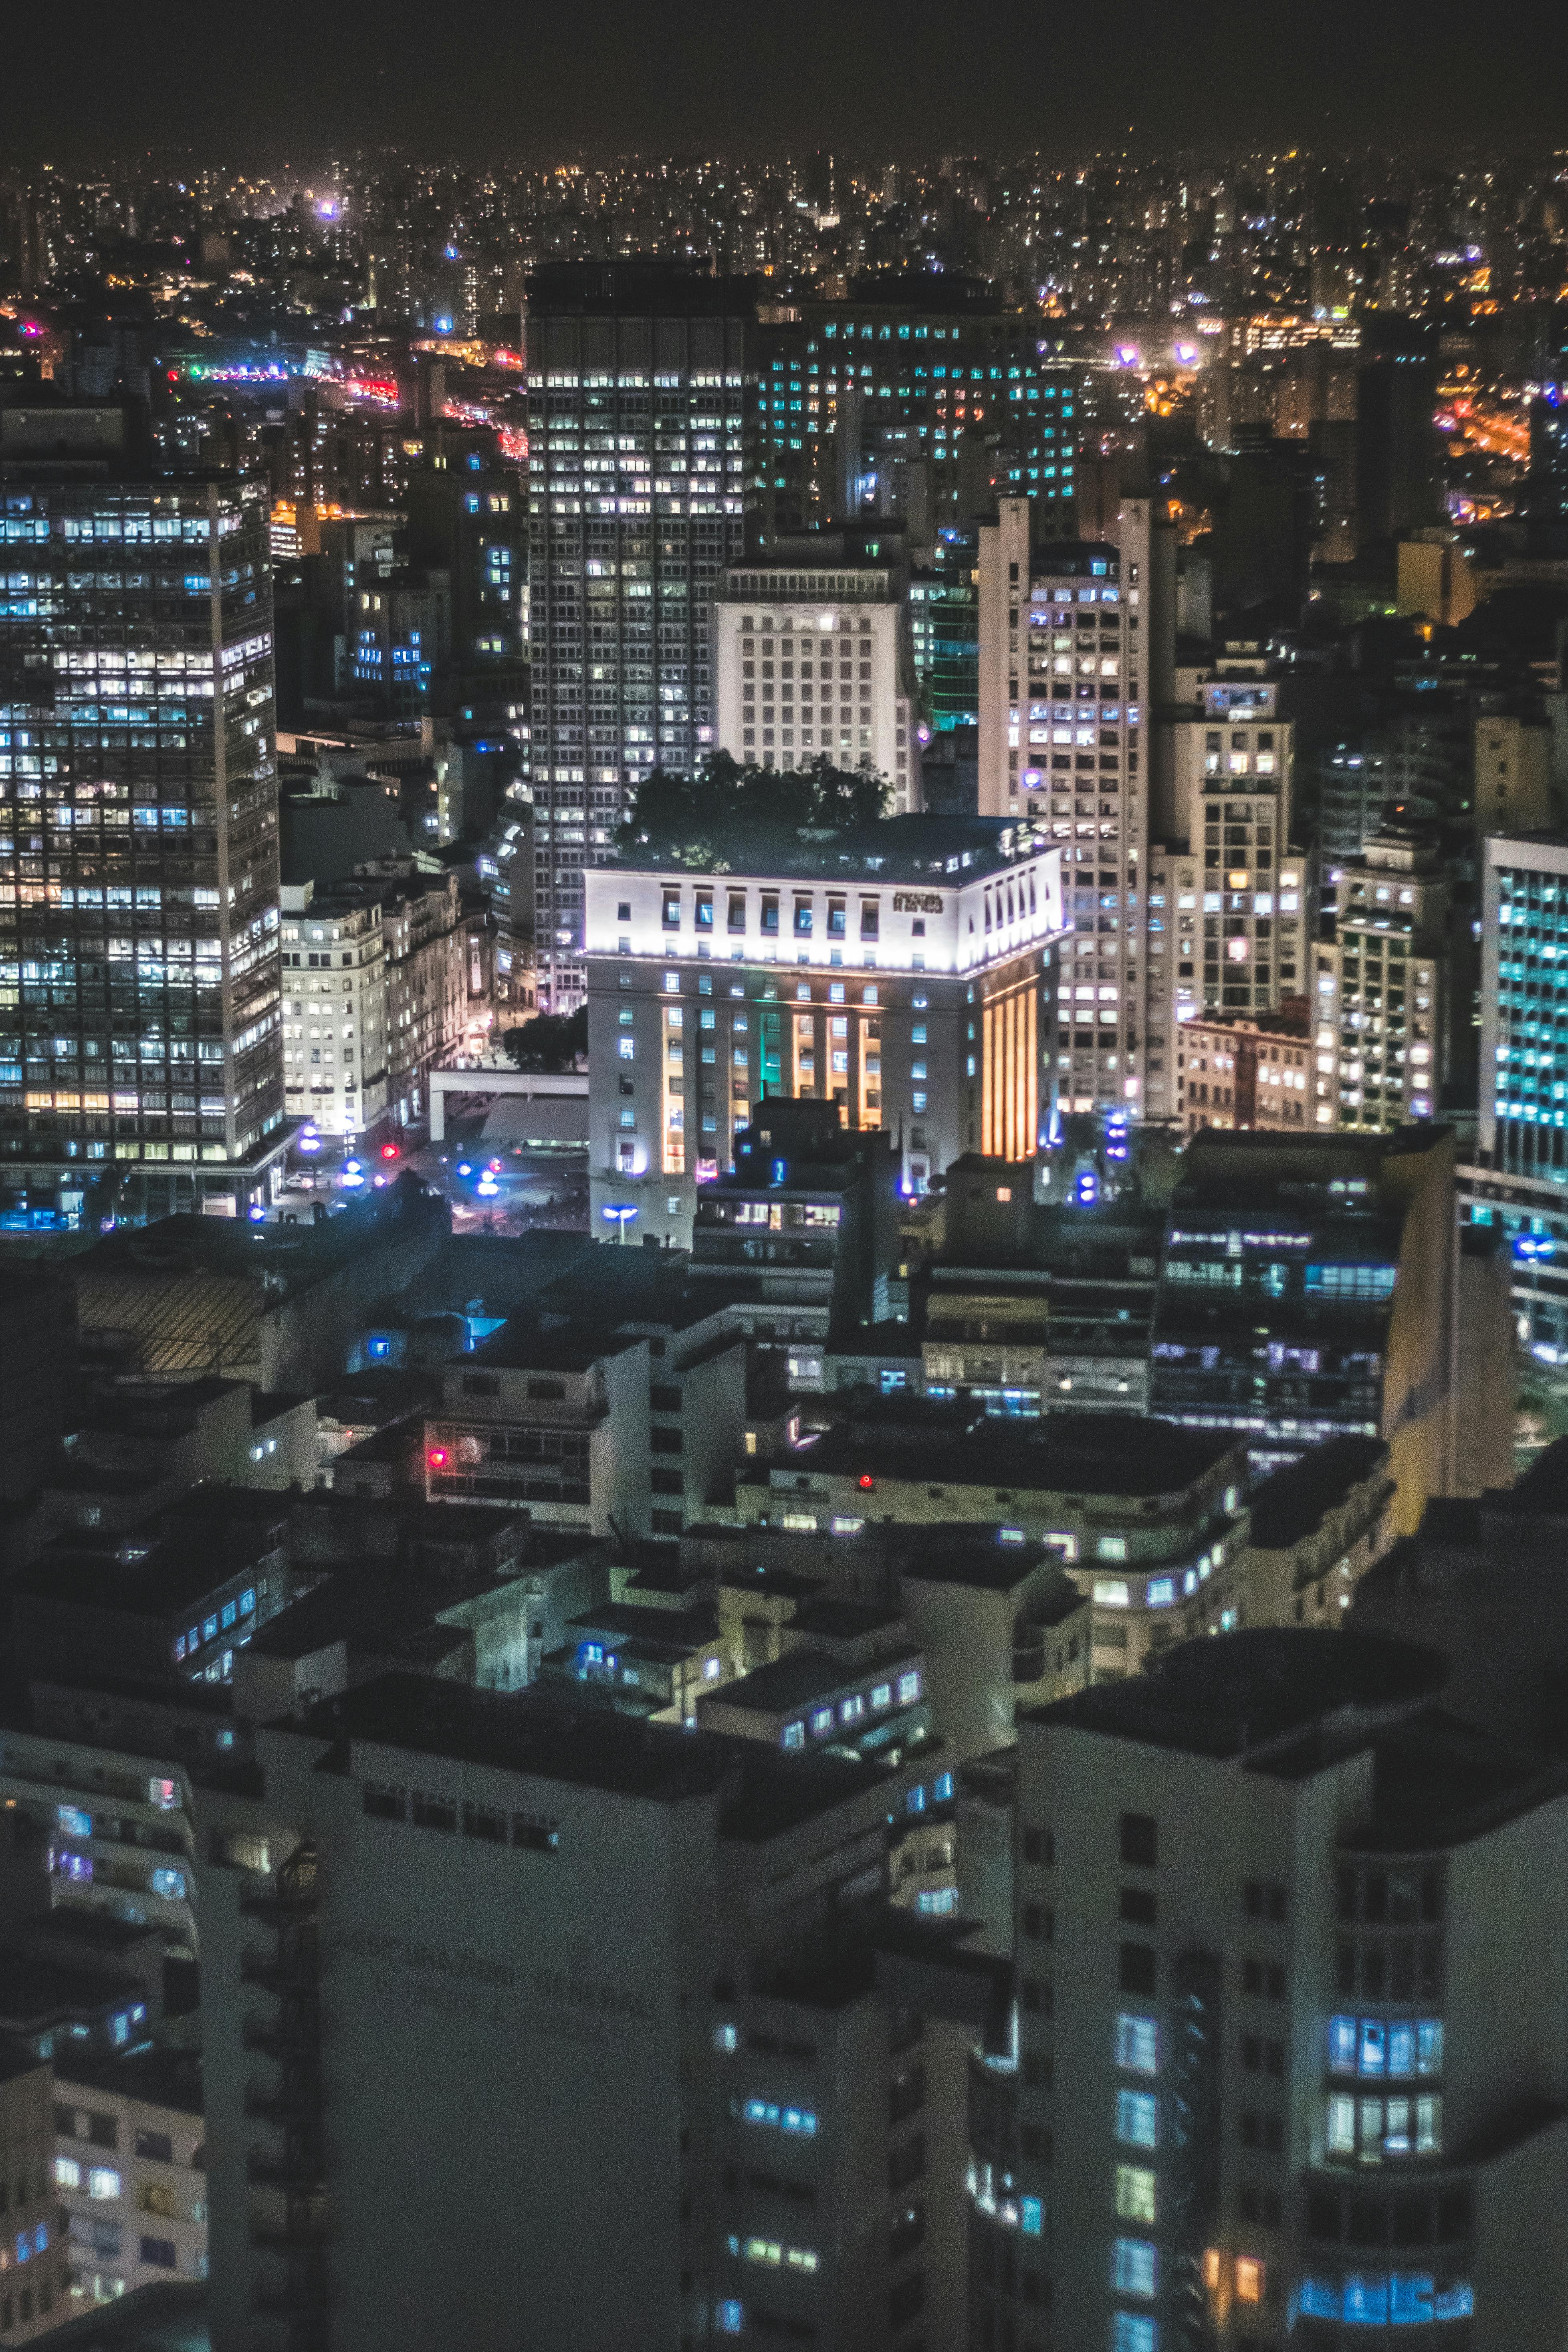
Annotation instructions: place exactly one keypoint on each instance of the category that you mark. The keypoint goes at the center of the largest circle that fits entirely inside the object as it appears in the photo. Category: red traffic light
(389, 1152)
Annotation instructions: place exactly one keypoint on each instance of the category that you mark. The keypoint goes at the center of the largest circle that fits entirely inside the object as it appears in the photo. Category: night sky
(510, 79)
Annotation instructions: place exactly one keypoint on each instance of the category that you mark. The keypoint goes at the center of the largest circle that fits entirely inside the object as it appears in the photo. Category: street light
(618, 1216)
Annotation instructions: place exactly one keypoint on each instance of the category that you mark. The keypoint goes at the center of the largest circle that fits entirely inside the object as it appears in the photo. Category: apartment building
(550, 1422)
(1243, 1070)
(35, 2272)
(129, 2170)
(1288, 2066)
(1309, 1290)
(335, 1007)
(1379, 999)
(646, 1954)
(1066, 666)
(424, 958)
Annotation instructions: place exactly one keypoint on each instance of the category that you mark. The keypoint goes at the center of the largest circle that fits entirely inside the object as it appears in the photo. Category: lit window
(1137, 2119)
(1138, 2044)
(1135, 2193)
(68, 2172)
(1161, 1592)
(1341, 2131)
(725, 2037)
(731, 2318)
(822, 1722)
(1133, 2267)
(882, 1694)
(795, 1734)
(1109, 1592)
(909, 1689)
(1249, 2278)
(1130, 2332)
(102, 2182)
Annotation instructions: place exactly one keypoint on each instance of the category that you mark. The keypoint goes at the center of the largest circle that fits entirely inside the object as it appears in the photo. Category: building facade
(1519, 1183)
(640, 430)
(1064, 658)
(664, 2004)
(1235, 1071)
(335, 1007)
(1257, 1949)
(775, 624)
(905, 974)
(1380, 1005)
(138, 914)
(1309, 1290)
(924, 371)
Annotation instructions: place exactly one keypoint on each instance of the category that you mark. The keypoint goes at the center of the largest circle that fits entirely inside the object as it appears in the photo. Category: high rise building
(1548, 481)
(832, 622)
(1379, 990)
(334, 1031)
(904, 972)
(1523, 1126)
(1227, 905)
(1308, 1291)
(944, 625)
(640, 439)
(647, 1956)
(1259, 1894)
(1351, 788)
(139, 974)
(931, 367)
(1519, 1183)
(1244, 1070)
(1069, 641)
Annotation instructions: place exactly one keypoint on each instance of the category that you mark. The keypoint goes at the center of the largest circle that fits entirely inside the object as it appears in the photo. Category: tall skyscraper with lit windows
(640, 427)
(139, 899)
(1271, 2086)
(1070, 635)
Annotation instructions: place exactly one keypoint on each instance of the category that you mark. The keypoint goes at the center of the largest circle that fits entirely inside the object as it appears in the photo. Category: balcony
(290, 2104)
(278, 1972)
(302, 2235)
(285, 2039)
(294, 2175)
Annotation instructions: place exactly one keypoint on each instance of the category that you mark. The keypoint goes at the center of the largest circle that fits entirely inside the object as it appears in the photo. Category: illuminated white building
(1229, 926)
(812, 660)
(906, 973)
(1070, 642)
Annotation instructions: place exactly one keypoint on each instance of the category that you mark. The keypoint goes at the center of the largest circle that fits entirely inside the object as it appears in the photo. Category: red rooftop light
(867, 1480)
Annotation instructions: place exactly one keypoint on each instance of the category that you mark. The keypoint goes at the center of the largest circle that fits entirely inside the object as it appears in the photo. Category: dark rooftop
(162, 2077)
(1441, 1782)
(1247, 1693)
(520, 1346)
(544, 1733)
(975, 1556)
(898, 849)
(34, 1992)
(171, 2316)
(1104, 1454)
(799, 1676)
(1296, 1499)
